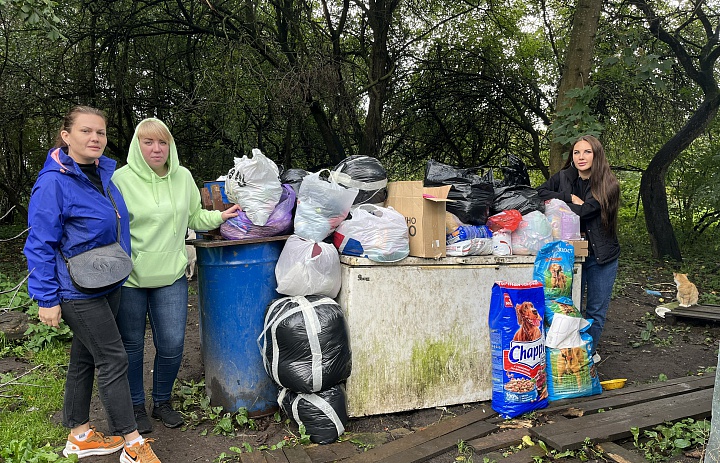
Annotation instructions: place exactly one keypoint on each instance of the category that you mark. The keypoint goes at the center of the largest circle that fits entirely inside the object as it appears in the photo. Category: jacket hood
(137, 163)
(59, 161)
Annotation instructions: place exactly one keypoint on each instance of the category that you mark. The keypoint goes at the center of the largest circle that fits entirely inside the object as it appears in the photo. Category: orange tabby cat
(687, 294)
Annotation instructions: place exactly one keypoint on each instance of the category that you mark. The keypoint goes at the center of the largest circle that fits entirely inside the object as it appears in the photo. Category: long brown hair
(69, 120)
(604, 186)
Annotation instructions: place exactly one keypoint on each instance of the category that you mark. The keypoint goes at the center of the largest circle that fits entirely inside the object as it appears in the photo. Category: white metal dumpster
(419, 329)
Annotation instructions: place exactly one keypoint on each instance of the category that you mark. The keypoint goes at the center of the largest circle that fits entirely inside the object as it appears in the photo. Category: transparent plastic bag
(378, 233)
(532, 234)
(564, 222)
(307, 268)
(322, 205)
(279, 222)
(254, 185)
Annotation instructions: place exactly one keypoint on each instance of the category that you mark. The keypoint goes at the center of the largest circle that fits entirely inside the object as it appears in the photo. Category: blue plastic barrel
(236, 282)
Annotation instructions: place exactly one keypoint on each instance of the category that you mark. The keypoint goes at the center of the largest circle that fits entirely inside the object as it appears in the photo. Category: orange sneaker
(95, 444)
(139, 453)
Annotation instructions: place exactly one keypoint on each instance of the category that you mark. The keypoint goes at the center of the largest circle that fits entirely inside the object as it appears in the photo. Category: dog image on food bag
(571, 362)
(529, 321)
(558, 279)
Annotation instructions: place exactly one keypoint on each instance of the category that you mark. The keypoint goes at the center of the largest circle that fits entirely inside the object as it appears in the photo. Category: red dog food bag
(517, 340)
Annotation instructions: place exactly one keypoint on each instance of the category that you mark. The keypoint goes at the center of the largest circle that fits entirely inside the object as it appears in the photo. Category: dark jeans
(97, 344)
(597, 280)
(166, 308)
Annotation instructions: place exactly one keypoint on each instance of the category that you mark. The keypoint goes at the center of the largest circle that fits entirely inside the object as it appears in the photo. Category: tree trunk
(578, 62)
(652, 185)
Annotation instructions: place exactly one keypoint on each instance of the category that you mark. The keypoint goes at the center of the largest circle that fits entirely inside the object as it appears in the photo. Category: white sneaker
(596, 358)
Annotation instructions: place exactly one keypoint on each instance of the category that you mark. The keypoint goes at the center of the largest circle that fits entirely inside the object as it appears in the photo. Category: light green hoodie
(161, 209)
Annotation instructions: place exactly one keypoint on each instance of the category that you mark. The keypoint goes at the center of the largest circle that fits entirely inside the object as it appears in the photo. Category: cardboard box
(424, 211)
(581, 247)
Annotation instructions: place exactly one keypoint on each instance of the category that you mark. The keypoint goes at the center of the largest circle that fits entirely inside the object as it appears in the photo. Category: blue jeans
(96, 344)
(597, 280)
(166, 308)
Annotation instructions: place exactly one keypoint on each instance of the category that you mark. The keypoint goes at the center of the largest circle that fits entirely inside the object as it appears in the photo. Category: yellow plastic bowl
(613, 384)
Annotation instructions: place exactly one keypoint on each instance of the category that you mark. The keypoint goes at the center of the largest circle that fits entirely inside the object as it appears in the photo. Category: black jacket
(604, 245)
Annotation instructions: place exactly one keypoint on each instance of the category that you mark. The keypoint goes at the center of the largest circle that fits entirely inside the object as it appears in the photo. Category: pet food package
(473, 247)
(254, 184)
(570, 367)
(324, 413)
(305, 343)
(377, 233)
(321, 206)
(502, 243)
(517, 342)
(306, 267)
(554, 268)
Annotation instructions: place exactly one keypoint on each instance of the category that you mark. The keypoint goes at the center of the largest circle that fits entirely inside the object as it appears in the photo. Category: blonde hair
(153, 128)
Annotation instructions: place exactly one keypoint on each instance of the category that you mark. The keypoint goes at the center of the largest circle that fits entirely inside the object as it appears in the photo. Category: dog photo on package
(517, 339)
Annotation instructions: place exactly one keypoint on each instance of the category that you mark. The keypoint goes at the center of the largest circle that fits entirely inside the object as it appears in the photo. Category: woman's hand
(230, 212)
(50, 316)
(577, 200)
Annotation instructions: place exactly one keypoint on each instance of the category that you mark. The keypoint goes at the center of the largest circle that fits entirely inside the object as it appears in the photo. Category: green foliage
(24, 451)
(465, 452)
(577, 119)
(196, 408)
(671, 439)
(42, 335)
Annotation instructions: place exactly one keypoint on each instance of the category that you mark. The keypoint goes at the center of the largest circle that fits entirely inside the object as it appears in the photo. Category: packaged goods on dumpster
(471, 195)
(254, 185)
(307, 267)
(517, 343)
(564, 222)
(424, 212)
(321, 206)
(324, 414)
(279, 222)
(366, 174)
(532, 234)
(506, 220)
(467, 232)
(305, 344)
(378, 233)
(519, 197)
(502, 243)
(473, 247)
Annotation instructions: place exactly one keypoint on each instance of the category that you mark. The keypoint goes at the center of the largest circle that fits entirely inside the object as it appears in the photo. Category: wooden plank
(217, 201)
(630, 396)
(440, 445)
(498, 440)
(615, 424)
(252, 457)
(620, 454)
(296, 454)
(523, 456)
(332, 452)
(419, 437)
(206, 198)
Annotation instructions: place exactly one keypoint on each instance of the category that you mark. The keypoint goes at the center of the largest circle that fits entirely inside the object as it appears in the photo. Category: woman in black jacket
(592, 191)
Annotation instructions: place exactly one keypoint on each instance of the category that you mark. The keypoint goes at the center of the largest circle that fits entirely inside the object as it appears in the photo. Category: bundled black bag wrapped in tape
(364, 173)
(305, 343)
(472, 195)
(324, 413)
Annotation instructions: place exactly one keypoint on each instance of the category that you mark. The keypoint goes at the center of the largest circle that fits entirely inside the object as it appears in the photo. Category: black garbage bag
(523, 198)
(472, 195)
(515, 172)
(364, 173)
(294, 178)
(305, 343)
(324, 413)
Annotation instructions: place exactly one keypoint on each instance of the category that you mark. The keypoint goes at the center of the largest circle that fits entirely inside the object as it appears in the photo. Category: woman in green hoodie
(163, 201)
